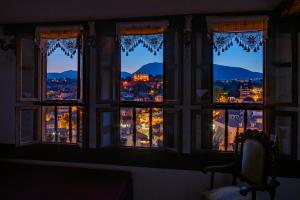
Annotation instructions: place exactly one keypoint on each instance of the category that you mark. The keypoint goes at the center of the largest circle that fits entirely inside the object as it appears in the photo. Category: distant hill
(151, 69)
(125, 75)
(222, 72)
(66, 74)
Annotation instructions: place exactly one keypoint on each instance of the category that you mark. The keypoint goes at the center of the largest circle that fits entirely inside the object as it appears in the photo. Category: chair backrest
(254, 151)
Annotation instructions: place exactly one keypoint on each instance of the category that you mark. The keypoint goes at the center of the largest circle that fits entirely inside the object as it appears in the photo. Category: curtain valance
(248, 32)
(63, 37)
(148, 34)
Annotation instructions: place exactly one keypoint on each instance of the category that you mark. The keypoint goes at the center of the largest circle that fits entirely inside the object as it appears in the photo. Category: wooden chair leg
(272, 194)
(253, 195)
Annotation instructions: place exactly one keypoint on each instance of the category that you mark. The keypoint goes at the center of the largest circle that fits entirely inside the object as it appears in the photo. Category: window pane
(218, 130)
(28, 125)
(50, 132)
(74, 119)
(142, 127)
(81, 123)
(142, 68)
(29, 69)
(63, 123)
(235, 124)
(238, 67)
(126, 126)
(157, 127)
(62, 69)
(255, 119)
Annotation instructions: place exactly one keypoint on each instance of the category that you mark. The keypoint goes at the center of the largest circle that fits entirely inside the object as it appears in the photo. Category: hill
(125, 75)
(222, 72)
(66, 74)
(151, 69)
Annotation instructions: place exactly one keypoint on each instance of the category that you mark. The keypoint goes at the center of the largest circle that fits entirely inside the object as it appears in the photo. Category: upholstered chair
(254, 158)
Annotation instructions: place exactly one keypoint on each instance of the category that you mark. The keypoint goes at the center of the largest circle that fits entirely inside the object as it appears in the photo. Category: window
(141, 82)
(238, 86)
(62, 103)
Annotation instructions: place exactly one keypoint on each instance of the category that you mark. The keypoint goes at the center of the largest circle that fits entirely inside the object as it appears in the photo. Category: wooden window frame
(210, 104)
(19, 64)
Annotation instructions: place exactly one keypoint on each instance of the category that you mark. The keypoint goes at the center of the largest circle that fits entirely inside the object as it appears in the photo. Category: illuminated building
(141, 77)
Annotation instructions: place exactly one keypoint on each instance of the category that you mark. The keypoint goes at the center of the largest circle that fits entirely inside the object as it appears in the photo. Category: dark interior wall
(298, 152)
(63, 10)
(8, 94)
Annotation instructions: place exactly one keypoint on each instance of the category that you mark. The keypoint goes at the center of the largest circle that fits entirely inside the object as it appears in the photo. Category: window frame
(240, 106)
(79, 102)
(136, 104)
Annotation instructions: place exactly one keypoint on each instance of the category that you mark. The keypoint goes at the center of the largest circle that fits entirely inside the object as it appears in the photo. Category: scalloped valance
(58, 37)
(152, 42)
(249, 41)
(149, 34)
(249, 32)
(68, 46)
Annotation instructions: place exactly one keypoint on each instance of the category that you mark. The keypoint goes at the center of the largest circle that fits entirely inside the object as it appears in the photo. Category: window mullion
(226, 130)
(70, 124)
(55, 123)
(134, 126)
(150, 126)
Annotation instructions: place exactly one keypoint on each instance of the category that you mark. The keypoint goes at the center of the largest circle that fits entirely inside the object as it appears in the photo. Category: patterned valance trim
(52, 38)
(249, 41)
(68, 46)
(59, 35)
(153, 42)
(142, 28)
(241, 26)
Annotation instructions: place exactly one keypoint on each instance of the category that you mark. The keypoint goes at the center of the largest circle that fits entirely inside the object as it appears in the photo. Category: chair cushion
(225, 193)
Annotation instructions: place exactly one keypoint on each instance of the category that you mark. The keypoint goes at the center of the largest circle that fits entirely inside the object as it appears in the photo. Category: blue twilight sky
(59, 62)
(235, 56)
(139, 57)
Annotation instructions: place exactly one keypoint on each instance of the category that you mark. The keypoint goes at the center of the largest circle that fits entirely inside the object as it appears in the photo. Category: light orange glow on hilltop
(141, 77)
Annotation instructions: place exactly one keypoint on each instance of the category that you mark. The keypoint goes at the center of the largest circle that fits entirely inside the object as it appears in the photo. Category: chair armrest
(215, 168)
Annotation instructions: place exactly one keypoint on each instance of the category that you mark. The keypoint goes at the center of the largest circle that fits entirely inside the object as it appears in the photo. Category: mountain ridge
(222, 72)
(72, 74)
(153, 69)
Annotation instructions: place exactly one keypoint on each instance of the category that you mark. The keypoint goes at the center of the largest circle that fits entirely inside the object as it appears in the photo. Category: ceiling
(19, 11)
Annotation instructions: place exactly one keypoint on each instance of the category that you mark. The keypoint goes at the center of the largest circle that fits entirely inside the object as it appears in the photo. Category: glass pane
(235, 125)
(29, 69)
(62, 69)
(238, 67)
(126, 127)
(218, 128)
(141, 68)
(142, 127)
(74, 119)
(63, 123)
(50, 133)
(255, 119)
(107, 128)
(157, 127)
(284, 133)
(81, 128)
(28, 126)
